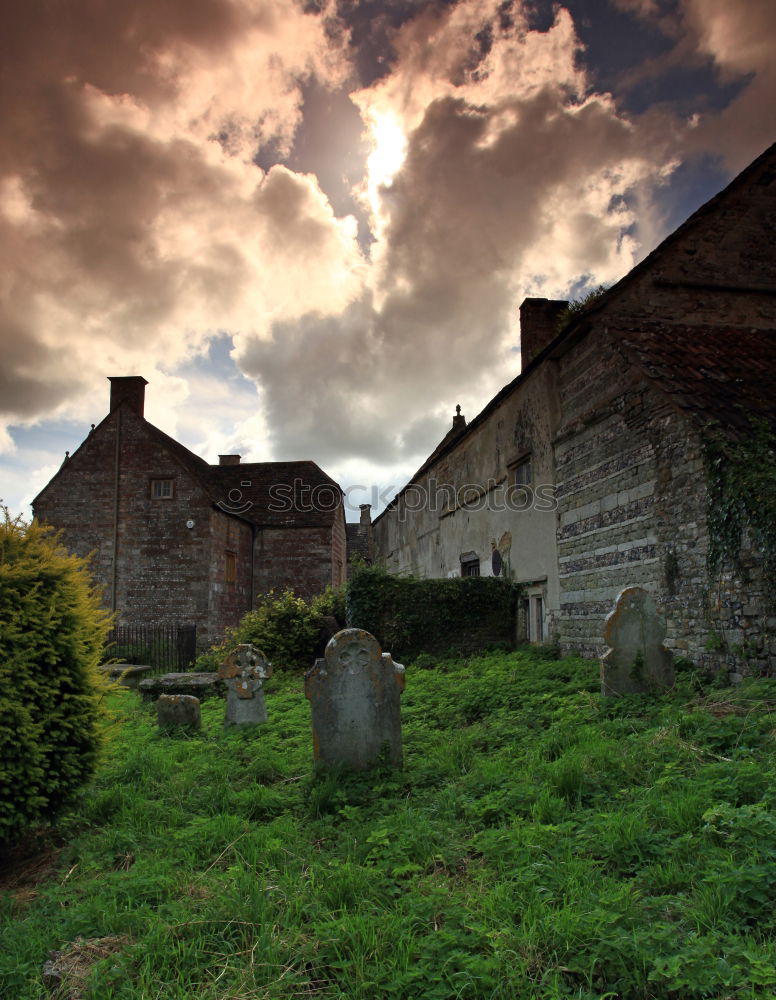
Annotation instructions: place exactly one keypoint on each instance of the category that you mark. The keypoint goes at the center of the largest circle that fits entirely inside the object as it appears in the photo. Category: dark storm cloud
(169, 169)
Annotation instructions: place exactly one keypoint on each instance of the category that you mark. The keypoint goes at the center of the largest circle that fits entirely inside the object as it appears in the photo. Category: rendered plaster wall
(460, 508)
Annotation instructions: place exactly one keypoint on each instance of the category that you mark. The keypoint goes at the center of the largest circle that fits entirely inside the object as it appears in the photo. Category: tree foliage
(52, 632)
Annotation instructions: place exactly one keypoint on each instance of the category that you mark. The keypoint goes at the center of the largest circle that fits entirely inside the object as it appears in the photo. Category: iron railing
(164, 647)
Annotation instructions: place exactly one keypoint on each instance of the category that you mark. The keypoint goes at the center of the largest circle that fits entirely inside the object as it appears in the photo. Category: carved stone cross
(244, 670)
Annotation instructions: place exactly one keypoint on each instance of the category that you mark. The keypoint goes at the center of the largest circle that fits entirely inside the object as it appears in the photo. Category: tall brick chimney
(228, 459)
(538, 326)
(366, 513)
(129, 389)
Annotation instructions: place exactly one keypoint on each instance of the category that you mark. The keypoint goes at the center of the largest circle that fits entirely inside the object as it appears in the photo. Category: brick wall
(160, 564)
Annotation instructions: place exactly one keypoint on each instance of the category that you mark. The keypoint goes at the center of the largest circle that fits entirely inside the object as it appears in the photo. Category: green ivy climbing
(741, 494)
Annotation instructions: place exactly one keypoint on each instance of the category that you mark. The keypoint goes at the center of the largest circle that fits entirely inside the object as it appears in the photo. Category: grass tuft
(540, 843)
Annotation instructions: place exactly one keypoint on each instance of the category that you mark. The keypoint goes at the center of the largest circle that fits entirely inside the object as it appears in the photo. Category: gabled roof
(280, 494)
(742, 358)
(276, 494)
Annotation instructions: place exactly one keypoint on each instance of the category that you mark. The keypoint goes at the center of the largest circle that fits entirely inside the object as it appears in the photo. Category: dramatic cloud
(740, 39)
(494, 174)
(133, 222)
(164, 189)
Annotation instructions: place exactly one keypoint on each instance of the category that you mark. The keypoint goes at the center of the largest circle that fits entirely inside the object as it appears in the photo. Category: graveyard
(533, 839)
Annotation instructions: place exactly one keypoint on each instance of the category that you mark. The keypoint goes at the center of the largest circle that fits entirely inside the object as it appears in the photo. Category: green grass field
(541, 842)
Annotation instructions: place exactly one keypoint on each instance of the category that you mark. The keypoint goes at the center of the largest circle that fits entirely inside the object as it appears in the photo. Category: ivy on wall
(741, 494)
(410, 616)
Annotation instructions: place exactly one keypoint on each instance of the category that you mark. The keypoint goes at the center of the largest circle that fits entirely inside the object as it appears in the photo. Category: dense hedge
(52, 631)
(410, 616)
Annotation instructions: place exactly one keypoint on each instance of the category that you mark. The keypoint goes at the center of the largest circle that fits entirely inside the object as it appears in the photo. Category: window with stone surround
(162, 489)
(470, 564)
(520, 472)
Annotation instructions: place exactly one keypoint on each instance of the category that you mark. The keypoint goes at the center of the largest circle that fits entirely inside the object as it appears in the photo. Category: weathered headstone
(354, 696)
(637, 661)
(244, 670)
(176, 711)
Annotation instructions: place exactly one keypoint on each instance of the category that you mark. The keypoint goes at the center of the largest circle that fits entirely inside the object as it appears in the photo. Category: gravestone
(637, 662)
(175, 711)
(354, 693)
(244, 671)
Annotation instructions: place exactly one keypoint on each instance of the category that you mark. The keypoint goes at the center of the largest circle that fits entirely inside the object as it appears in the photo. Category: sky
(309, 225)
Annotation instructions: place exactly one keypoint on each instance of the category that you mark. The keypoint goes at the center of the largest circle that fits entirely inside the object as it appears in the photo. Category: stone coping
(201, 685)
(127, 674)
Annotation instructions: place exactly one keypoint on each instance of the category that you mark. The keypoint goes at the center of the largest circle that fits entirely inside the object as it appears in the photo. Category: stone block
(178, 711)
(354, 694)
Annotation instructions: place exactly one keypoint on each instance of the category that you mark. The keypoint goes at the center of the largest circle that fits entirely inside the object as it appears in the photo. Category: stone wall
(229, 592)
(160, 566)
(301, 559)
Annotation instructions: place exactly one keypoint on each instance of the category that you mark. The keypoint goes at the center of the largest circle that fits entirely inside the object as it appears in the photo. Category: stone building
(589, 472)
(178, 541)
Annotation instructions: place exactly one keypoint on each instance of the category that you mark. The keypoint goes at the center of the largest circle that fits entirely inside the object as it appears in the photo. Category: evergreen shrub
(410, 616)
(52, 632)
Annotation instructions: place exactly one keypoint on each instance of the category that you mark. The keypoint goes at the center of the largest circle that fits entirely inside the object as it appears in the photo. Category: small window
(230, 568)
(161, 489)
(470, 565)
(521, 473)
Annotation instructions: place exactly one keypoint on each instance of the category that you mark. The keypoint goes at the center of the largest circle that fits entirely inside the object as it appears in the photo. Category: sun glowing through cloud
(389, 148)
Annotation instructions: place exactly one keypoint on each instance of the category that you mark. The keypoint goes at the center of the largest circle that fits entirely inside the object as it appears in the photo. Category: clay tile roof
(276, 494)
(724, 373)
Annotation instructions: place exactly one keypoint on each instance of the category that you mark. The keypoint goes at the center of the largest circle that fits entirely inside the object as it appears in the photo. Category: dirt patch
(24, 866)
(66, 972)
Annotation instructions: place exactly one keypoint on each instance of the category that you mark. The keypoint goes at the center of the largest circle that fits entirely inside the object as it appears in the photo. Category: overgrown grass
(540, 843)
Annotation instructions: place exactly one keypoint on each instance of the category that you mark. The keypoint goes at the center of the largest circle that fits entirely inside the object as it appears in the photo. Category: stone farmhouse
(589, 472)
(178, 541)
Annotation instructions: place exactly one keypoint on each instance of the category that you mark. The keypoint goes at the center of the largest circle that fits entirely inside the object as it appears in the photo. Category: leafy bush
(51, 640)
(284, 627)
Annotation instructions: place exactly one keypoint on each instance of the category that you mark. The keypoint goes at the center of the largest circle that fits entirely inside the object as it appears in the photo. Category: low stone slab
(637, 662)
(178, 711)
(128, 675)
(201, 685)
